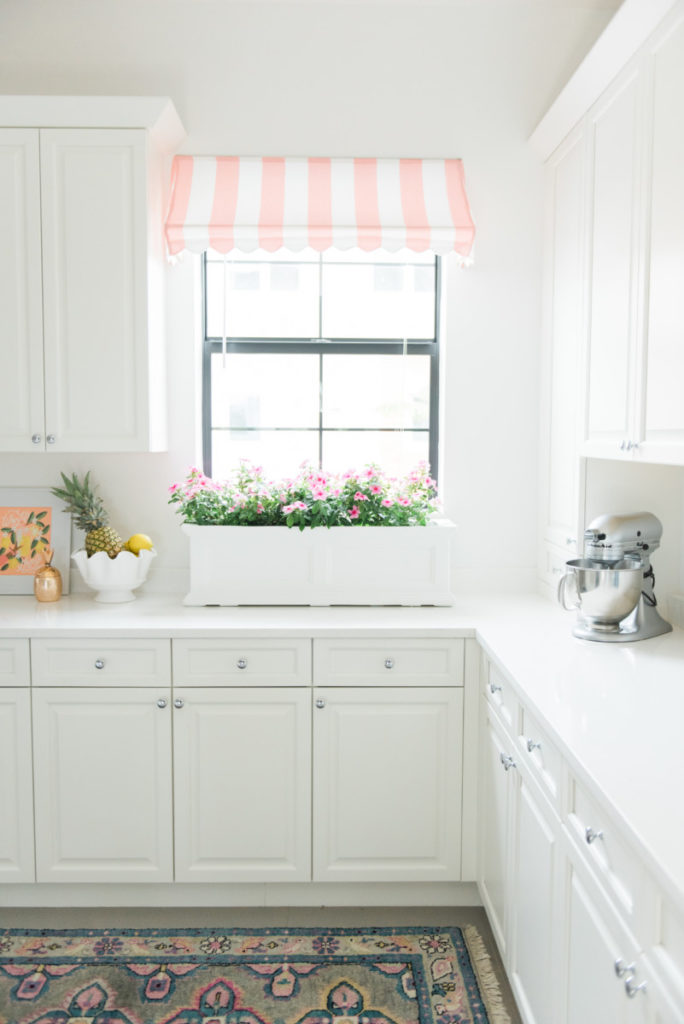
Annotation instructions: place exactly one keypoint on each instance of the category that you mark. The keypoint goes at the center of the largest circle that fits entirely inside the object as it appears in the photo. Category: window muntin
(280, 390)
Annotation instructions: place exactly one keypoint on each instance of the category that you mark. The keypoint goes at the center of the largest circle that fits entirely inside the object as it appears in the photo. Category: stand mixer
(614, 582)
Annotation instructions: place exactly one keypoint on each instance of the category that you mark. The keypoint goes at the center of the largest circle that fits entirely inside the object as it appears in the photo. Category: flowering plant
(312, 498)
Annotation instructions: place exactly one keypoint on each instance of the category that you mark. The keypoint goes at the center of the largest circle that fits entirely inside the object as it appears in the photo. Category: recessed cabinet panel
(614, 265)
(242, 770)
(21, 299)
(95, 288)
(387, 784)
(495, 828)
(389, 662)
(103, 785)
(264, 662)
(663, 430)
(16, 786)
(100, 662)
(14, 663)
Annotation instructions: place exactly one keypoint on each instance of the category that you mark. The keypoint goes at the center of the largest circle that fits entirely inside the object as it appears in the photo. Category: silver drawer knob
(631, 989)
(36, 438)
(320, 703)
(507, 761)
(241, 663)
(389, 663)
(592, 834)
(99, 663)
(161, 703)
(495, 687)
(178, 702)
(621, 968)
(51, 439)
(533, 745)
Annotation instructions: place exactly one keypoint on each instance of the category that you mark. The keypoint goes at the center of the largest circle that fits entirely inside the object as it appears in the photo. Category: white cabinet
(21, 323)
(81, 275)
(242, 784)
(387, 783)
(16, 785)
(102, 760)
(497, 760)
(561, 477)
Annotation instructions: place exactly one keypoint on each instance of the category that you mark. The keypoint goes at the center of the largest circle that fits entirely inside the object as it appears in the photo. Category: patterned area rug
(248, 976)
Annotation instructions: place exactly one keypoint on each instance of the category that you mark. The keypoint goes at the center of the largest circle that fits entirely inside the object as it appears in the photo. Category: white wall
(458, 79)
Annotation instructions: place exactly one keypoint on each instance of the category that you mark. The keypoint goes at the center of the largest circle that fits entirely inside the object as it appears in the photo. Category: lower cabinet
(494, 804)
(242, 784)
(16, 787)
(387, 783)
(103, 797)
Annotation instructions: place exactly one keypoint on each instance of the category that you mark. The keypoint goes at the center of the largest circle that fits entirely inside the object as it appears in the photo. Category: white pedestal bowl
(114, 579)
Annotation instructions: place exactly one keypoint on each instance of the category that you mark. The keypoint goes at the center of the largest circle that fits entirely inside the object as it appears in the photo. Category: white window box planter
(362, 565)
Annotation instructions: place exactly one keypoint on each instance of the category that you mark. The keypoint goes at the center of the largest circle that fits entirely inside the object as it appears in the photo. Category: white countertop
(616, 711)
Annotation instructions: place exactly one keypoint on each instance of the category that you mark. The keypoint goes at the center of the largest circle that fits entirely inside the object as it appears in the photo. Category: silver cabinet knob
(99, 663)
(621, 968)
(633, 989)
(161, 703)
(533, 745)
(320, 703)
(241, 663)
(495, 687)
(623, 445)
(507, 761)
(570, 541)
(592, 834)
(36, 438)
(389, 663)
(179, 702)
(50, 438)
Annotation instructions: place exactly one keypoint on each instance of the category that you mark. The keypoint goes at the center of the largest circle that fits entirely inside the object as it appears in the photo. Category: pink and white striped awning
(246, 203)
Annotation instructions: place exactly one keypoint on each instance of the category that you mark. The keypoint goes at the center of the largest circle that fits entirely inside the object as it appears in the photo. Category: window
(331, 358)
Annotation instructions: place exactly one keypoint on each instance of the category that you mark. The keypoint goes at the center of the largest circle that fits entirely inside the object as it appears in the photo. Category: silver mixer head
(610, 537)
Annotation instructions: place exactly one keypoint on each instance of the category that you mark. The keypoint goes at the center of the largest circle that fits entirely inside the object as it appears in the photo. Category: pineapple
(89, 515)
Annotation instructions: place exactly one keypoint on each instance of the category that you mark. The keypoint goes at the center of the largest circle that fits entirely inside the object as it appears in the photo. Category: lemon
(139, 542)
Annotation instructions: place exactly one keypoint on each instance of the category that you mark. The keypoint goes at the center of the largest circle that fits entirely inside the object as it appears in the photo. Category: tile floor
(242, 917)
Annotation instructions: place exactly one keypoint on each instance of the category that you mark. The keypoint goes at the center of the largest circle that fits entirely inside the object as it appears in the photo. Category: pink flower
(359, 496)
(354, 512)
(375, 489)
(404, 501)
(260, 508)
(173, 488)
(337, 492)
(301, 505)
(287, 509)
(318, 492)
(387, 502)
(369, 473)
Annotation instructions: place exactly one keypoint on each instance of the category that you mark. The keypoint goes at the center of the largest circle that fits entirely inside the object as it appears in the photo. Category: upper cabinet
(81, 286)
(627, 100)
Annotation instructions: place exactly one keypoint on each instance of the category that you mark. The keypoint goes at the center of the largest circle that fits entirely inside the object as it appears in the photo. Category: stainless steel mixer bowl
(604, 594)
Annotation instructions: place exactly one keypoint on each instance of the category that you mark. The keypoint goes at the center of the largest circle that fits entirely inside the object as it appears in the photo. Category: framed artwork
(31, 520)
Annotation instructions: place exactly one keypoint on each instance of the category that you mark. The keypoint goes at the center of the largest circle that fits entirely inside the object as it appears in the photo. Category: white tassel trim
(486, 978)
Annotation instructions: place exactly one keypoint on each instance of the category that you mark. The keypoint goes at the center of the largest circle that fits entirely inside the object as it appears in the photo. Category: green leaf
(3, 567)
(40, 515)
(30, 518)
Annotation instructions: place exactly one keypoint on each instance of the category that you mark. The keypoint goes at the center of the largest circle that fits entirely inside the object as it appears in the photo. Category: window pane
(277, 299)
(397, 453)
(377, 256)
(264, 390)
(375, 300)
(376, 391)
(279, 452)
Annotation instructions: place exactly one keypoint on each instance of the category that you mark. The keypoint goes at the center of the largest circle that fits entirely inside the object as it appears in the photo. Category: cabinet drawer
(388, 662)
(540, 756)
(282, 662)
(500, 695)
(101, 662)
(15, 667)
(608, 856)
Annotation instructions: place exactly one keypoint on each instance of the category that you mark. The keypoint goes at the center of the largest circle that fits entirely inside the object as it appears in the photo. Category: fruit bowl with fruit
(112, 567)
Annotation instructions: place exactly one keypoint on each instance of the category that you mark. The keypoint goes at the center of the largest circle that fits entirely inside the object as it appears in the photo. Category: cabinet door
(242, 771)
(102, 784)
(387, 783)
(95, 288)
(495, 827)
(564, 336)
(662, 409)
(16, 786)
(613, 303)
(534, 966)
(21, 319)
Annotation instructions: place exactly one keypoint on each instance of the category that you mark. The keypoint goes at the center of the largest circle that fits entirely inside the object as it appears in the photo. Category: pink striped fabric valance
(247, 203)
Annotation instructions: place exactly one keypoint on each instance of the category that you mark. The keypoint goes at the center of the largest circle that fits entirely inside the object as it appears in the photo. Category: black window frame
(376, 346)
